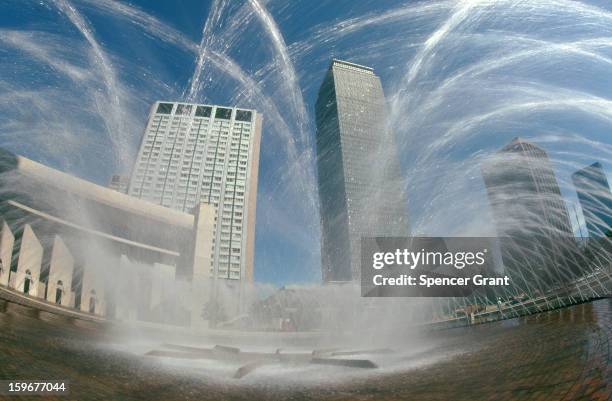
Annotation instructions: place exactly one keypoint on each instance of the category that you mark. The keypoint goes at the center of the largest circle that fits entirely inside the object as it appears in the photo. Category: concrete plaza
(558, 355)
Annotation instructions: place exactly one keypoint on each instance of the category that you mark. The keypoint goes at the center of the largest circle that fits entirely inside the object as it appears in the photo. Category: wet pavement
(558, 355)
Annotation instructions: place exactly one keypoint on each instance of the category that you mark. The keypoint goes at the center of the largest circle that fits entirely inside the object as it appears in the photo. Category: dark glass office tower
(537, 243)
(595, 199)
(361, 191)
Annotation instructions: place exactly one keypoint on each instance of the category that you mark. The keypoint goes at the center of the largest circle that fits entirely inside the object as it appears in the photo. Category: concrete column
(125, 295)
(228, 295)
(203, 236)
(251, 206)
(92, 292)
(29, 263)
(201, 289)
(60, 273)
(162, 283)
(7, 240)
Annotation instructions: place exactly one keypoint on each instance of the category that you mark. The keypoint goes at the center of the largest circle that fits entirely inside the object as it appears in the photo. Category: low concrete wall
(12, 297)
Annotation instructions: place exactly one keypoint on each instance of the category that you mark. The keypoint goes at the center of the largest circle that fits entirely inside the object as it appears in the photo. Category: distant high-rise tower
(360, 188)
(119, 183)
(595, 199)
(193, 153)
(537, 242)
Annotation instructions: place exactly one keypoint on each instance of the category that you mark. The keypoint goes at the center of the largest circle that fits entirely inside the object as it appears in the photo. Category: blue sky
(461, 78)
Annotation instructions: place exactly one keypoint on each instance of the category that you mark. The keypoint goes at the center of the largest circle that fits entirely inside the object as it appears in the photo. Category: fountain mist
(461, 79)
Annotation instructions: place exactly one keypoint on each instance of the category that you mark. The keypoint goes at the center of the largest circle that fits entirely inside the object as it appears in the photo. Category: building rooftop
(103, 195)
(341, 63)
(204, 104)
(522, 143)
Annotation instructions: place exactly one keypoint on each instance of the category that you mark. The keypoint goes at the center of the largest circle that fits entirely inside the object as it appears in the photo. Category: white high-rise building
(119, 183)
(193, 153)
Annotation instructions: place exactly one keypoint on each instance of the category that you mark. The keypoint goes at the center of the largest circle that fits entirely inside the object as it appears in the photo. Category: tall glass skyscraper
(595, 199)
(192, 153)
(361, 191)
(537, 241)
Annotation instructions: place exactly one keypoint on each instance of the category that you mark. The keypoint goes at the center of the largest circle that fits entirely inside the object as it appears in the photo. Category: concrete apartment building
(119, 183)
(193, 153)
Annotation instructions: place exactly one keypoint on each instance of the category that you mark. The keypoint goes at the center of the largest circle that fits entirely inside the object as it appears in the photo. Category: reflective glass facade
(595, 199)
(537, 241)
(361, 191)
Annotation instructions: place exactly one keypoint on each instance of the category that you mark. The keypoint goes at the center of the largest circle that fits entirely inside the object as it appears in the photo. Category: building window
(183, 109)
(203, 111)
(164, 108)
(223, 113)
(243, 115)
